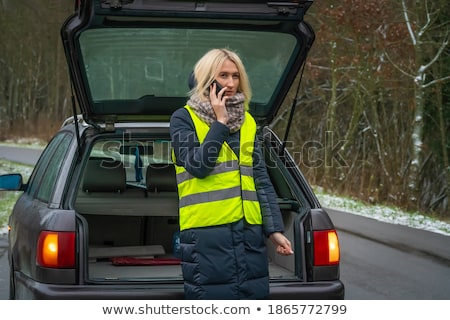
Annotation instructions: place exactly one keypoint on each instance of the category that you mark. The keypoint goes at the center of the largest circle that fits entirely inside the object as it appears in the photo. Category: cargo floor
(105, 270)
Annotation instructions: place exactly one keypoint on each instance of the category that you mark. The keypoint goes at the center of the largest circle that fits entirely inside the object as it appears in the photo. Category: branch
(428, 23)
(408, 24)
(397, 67)
(436, 57)
(429, 84)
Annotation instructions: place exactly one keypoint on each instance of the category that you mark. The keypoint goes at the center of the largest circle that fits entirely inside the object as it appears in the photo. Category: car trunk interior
(131, 224)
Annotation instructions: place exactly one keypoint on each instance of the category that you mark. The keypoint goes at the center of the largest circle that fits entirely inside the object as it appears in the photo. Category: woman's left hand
(283, 244)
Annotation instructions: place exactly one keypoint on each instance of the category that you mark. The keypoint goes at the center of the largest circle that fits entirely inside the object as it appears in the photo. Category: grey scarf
(234, 106)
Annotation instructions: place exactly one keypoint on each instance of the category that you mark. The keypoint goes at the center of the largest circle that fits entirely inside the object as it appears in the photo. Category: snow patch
(385, 214)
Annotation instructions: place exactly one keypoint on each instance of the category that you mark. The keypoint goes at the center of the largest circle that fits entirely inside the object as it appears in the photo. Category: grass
(25, 142)
(7, 198)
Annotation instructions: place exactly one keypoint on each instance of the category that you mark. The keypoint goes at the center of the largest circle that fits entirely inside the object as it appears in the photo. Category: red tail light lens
(326, 248)
(56, 249)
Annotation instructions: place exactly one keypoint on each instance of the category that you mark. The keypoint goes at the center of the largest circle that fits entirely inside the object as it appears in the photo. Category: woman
(227, 202)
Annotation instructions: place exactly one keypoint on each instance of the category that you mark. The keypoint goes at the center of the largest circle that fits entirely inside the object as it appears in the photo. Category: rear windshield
(130, 63)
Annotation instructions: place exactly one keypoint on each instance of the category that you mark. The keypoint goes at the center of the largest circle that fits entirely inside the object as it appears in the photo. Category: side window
(46, 172)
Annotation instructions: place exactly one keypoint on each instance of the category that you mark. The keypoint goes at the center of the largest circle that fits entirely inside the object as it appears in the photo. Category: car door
(39, 207)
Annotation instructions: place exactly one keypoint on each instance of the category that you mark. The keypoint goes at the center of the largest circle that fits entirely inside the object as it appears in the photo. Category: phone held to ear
(218, 87)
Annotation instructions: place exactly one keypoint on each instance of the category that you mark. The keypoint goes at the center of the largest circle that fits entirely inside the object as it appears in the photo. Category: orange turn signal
(56, 249)
(326, 248)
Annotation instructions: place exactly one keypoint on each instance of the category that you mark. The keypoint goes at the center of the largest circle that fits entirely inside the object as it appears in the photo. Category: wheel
(12, 291)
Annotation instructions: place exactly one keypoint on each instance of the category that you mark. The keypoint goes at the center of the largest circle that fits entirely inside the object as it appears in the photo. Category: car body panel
(40, 283)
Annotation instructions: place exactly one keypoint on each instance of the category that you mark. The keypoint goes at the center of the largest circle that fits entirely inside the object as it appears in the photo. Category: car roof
(130, 60)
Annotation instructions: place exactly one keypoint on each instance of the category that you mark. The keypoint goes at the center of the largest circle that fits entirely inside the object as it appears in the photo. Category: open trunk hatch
(131, 60)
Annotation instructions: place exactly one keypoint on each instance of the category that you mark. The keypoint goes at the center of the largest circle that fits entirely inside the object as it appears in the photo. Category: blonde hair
(208, 67)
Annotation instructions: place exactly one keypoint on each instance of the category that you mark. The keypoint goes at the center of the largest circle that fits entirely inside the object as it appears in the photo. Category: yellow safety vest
(228, 193)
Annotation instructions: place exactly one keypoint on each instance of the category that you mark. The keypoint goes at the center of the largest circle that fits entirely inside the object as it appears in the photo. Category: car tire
(12, 291)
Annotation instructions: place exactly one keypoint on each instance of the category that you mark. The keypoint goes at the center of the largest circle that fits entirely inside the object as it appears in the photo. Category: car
(98, 217)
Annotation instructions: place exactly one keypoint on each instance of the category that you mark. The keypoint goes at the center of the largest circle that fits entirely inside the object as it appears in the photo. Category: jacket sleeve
(198, 159)
(270, 210)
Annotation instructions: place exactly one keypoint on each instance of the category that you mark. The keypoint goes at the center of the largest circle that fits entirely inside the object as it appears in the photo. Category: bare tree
(34, 77)
(361, 84)
(430, 38)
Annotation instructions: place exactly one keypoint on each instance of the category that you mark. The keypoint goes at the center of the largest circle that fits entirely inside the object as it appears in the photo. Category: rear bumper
(324, 290)
(26, 288)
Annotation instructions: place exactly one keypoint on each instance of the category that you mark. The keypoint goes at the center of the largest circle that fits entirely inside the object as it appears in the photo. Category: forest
(372, 113)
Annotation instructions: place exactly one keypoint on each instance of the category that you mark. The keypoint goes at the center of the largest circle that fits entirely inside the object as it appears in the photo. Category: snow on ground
(385, 214)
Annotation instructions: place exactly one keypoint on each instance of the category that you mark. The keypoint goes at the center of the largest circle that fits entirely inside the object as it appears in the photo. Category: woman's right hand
(283, 245)
(218, 103)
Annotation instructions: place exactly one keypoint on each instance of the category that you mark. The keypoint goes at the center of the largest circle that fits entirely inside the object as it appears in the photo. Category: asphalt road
(4, 268)
(21, 155)
(382, 261)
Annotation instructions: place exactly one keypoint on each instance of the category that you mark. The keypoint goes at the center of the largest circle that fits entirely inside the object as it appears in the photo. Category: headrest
(104, 175)
(192, 82)
(161, 177)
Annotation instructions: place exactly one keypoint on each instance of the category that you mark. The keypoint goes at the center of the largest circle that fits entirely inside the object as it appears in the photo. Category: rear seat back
(104, 191)
(104, 175)
(161, 178)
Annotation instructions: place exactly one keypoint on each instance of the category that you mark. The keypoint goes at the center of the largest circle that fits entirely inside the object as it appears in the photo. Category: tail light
(56, 249)
(326, 248)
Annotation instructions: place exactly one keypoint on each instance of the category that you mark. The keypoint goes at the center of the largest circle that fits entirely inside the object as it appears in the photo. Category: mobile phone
(218, 87)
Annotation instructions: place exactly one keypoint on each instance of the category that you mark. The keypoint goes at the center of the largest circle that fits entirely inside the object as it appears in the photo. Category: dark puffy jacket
(227, 261)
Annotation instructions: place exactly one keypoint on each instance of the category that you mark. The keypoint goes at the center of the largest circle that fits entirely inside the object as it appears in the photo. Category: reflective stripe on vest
(228, 193)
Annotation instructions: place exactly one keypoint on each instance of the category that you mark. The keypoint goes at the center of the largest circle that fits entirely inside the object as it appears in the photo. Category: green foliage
(7, 201)
(9, 198)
